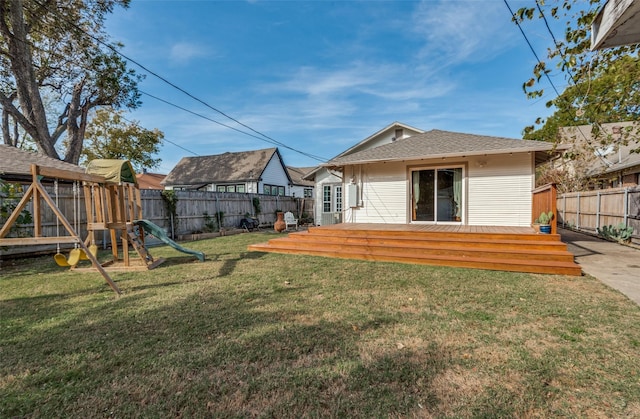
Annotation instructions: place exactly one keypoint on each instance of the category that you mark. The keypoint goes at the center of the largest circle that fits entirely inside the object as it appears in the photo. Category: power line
(572, 77)
(232, 128)
(531, 47)
(180, 89)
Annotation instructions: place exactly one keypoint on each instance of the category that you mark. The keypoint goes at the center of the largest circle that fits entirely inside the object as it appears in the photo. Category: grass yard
(267, 335)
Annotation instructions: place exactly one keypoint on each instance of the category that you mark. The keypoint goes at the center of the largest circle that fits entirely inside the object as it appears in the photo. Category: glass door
(436, 195)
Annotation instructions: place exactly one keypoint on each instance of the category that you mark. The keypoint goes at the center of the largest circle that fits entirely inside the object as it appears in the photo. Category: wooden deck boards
(482, 247)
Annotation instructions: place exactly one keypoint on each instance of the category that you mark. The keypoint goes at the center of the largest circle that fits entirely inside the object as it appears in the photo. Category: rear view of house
(433, 177)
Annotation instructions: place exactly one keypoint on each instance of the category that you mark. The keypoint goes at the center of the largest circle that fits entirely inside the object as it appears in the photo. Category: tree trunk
(75, 125)
(27, 87)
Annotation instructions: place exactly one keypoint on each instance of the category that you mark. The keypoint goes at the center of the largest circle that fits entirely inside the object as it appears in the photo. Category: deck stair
(507, 250)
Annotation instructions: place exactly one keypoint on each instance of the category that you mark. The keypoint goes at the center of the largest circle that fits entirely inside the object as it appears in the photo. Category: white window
(326, 198)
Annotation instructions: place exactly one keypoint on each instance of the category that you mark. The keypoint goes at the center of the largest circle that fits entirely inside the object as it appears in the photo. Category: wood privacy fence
(588, 211)
(195, 211)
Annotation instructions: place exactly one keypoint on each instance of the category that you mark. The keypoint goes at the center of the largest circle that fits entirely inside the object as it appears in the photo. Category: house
(434, 198)
(617, 24)
(148, 180)
(300, 187)
(329, 186)
(432, 177)
(256, 171)
(616, 163)
(15, 163)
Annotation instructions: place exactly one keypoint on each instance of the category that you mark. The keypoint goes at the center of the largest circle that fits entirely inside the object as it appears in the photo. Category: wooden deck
(518, 249)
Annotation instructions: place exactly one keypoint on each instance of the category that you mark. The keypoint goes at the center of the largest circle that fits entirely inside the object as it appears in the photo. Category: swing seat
(74, 257)
(94, 250)
(61, 260)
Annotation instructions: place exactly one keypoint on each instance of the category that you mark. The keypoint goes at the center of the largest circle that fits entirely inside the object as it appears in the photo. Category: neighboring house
(329, 183)
(435, 177)
(257, 171)
(300, 187)
(612, 165)
(15, 164)
(148, 180)
(617, 23)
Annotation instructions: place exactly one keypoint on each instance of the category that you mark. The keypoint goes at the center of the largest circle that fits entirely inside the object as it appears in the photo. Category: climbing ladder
(137, 241)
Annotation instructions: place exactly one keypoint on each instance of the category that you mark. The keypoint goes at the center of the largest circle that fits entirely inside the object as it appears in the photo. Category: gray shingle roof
(619, 157)
(297, 175)
(16, 163)
(227, 167)
(437, 144)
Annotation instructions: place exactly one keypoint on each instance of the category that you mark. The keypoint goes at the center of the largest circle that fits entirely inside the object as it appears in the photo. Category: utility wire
(230, 127)
(530, 46)
(572, 77)
(153, 73)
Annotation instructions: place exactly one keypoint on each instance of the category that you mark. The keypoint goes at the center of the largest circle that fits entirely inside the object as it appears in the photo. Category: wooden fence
(544, 200)
(195, 211)
(588, 211)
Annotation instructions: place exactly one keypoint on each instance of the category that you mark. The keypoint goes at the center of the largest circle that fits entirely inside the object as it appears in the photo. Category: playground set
(112, 203)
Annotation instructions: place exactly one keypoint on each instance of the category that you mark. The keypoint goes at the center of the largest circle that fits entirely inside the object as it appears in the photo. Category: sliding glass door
(436, 195)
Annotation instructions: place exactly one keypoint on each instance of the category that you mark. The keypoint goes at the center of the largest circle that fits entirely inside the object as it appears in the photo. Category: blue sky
(321, 76)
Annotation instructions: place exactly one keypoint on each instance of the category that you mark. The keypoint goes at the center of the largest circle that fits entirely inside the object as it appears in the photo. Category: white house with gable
(431, 177)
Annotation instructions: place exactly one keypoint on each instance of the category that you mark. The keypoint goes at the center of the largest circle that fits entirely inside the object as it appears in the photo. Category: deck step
(420, 250)
(528, 252)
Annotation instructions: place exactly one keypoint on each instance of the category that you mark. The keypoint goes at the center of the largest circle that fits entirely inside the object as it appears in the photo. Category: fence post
(578, 212)
(598, 210)
(626, 207)
(564, 209)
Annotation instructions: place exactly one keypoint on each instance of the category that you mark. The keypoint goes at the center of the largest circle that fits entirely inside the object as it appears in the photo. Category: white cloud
(183, 52)
(461, 31)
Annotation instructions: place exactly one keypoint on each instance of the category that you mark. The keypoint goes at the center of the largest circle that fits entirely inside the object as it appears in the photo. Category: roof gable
(297, 175)
(227, 167)
(370, 141)
(150, 180)
(612, 158)
(438, 144)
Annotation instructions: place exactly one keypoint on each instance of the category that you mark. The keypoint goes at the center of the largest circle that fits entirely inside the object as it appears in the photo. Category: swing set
(110, 203)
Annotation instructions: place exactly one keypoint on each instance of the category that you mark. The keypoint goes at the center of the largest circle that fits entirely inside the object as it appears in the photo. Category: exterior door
(331, 204)
(436, 195)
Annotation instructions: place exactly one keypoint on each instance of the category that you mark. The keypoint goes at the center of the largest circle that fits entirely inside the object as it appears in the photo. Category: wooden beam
(37, 214)
(50, 172)
(34, 241)
(16, 212)
(73, 233)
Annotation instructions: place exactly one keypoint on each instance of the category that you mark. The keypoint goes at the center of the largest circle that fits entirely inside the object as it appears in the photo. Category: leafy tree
(109, 136)
(52, 48)
(604, 86)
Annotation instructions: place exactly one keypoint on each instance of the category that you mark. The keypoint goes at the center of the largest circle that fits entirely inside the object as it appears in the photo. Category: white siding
(274, 174)
(384, 194)
(298, 190)
(499, 190)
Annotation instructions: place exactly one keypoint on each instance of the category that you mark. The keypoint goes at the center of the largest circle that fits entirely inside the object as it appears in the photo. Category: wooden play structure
(112, 202)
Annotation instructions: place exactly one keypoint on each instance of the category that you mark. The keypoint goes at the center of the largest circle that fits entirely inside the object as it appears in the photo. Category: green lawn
(268, 335)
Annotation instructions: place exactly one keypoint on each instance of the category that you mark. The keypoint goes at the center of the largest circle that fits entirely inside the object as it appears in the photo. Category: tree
(56, 48)
(109, 137)
(604, 86)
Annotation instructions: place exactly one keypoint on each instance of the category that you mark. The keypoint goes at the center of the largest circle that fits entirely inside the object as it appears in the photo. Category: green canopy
(113, 170)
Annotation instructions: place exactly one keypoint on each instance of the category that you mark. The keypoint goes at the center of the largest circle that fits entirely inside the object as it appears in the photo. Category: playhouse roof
(113, 170)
